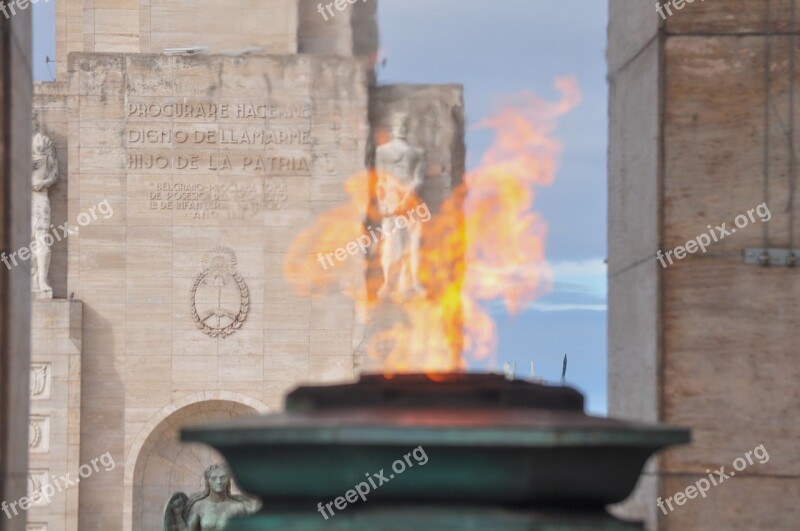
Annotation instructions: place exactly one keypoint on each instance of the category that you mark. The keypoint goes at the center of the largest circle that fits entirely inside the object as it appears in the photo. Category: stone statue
(400, 168)
(45, 174)
(210, 509)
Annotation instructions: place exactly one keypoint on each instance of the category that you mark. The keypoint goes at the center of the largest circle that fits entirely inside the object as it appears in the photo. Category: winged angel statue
(210, 509)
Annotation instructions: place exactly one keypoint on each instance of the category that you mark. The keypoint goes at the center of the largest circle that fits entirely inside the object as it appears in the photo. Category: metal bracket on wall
(771, 257)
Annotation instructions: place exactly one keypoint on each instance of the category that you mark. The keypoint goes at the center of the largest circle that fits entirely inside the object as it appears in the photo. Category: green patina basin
(514, 450)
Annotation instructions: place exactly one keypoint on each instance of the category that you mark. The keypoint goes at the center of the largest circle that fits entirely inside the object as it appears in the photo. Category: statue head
(218, 479)
(400, 125)
(36, 123)
(40, 150)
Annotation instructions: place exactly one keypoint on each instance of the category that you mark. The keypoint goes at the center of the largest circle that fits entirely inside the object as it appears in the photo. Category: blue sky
(500, 48)
(496, 49)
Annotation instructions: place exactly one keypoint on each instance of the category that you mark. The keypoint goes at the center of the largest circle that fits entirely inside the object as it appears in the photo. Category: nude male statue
(44, 175)
(400, 167)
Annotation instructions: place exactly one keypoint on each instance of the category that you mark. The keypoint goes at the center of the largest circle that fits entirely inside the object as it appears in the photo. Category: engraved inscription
(248, 162)
(218, 137)
(227, 200)
(213, 111)
(219, 160)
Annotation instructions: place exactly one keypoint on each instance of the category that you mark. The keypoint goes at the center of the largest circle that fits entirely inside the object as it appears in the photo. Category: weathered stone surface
(208, 164)
(731, 376)
(633, 361)
(634, 278)
(15, 203)
(235, 27)
(633, 188)
(731, 17)
(632, 26)
(350, 31)
(56, 403)
(740, 503)
(724, 354)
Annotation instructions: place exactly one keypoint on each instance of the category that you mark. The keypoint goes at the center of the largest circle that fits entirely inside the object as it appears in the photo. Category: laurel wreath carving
(36, 436)
(39, 380)
(244, 296)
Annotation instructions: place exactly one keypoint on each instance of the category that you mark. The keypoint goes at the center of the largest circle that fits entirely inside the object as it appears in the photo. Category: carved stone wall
(55, 421)
(212, 165)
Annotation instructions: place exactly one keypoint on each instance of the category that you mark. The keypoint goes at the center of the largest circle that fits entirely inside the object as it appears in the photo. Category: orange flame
(485, 243)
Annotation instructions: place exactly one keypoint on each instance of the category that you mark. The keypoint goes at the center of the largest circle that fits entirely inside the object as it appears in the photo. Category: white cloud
(552, 307)
(577, 286)
(587, 277)
(590, 267)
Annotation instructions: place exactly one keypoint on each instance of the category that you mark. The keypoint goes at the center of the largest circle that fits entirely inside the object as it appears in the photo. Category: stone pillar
(15, 232)
(351, 31)
(54, 426)
(707, 342)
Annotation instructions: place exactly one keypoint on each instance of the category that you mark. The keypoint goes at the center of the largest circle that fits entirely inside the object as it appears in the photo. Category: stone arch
(158, 464)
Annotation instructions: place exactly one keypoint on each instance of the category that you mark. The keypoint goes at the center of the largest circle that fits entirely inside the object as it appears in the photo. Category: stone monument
(44, 175)
(177, 309)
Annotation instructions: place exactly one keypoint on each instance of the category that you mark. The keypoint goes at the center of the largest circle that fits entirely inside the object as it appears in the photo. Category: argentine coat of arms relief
(219, 297)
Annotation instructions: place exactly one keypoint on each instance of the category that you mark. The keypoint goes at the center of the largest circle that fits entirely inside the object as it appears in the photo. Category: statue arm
(52, 175)
(380, 193)
(419, 180)
(419, 171)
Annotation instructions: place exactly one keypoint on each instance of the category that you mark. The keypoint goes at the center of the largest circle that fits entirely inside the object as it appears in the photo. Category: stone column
(707, 342)
(15, 232)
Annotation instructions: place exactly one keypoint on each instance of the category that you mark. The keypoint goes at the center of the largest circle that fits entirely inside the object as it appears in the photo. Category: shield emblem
(219, 296)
